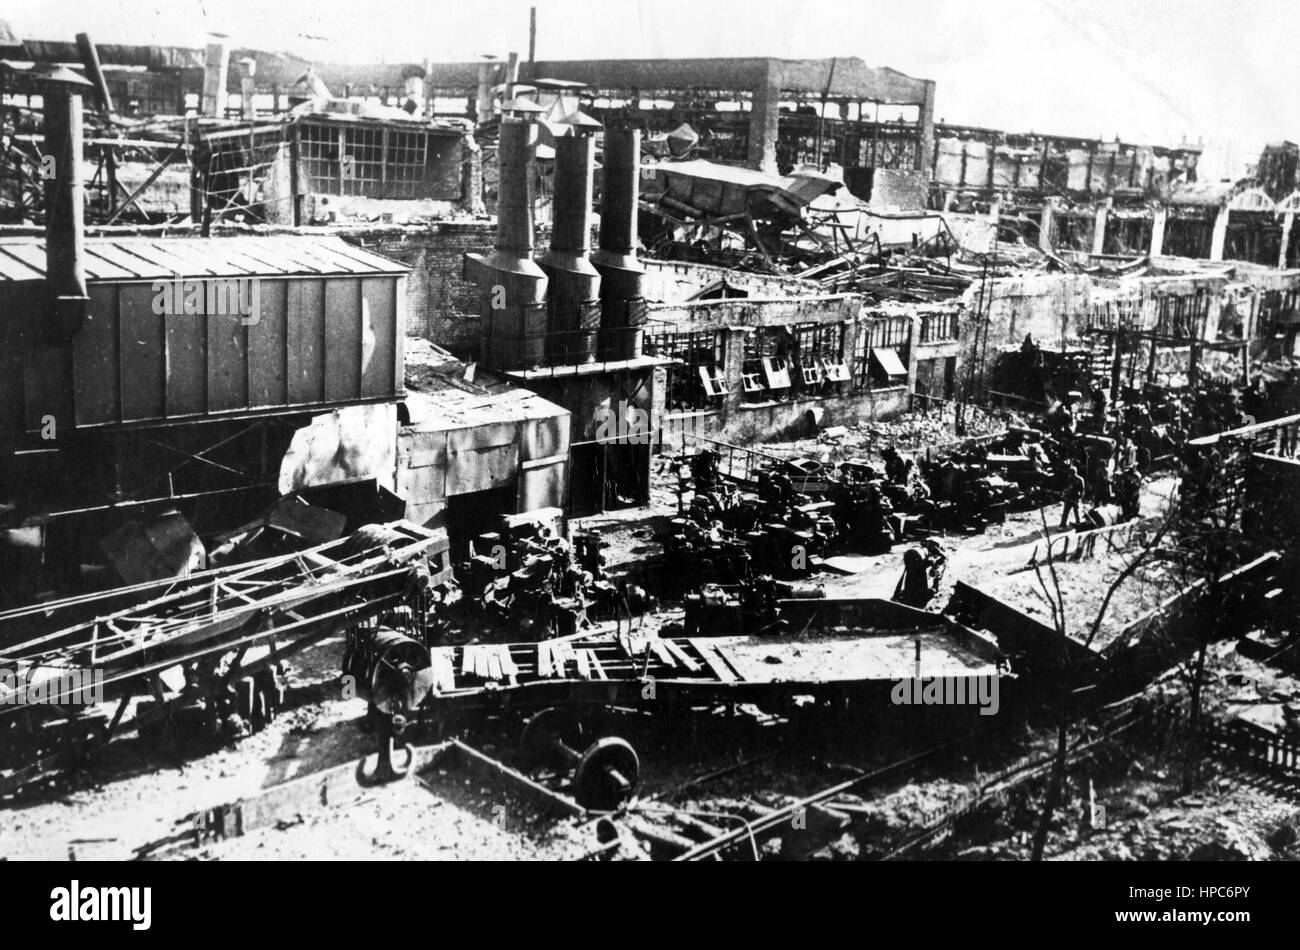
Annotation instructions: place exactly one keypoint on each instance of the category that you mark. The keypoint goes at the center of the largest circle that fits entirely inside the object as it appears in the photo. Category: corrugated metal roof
(154, 258)
(450, 408)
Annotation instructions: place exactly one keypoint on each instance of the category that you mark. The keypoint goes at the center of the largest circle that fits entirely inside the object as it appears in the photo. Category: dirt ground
(137, 793)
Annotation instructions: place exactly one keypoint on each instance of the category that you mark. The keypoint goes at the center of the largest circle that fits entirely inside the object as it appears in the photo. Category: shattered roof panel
(789, 194)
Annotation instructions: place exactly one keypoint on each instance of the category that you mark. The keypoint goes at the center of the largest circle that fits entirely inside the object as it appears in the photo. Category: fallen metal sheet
(311, 523)
(163, 547)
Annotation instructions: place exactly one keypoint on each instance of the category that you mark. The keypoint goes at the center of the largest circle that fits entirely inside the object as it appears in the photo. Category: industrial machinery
(212, 641)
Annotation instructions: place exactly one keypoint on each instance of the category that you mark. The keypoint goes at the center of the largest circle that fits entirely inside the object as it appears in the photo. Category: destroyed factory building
(528, 387)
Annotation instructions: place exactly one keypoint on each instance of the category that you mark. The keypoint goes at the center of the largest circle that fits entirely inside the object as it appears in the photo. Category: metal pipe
(65, 211)
(532, 43)
(622, 276)
(575, 283)
(90, 59)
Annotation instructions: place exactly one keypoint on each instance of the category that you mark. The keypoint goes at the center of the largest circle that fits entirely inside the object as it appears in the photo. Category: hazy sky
(1147, 70)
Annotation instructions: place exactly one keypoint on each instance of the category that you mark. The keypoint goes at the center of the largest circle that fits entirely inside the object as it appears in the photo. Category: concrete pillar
(428, 87)
(1288, 220)
(1099, 227)
(1159, 219)
(413, 95)
(764, 119)
(927, 156)
(247, 86)
(483, 107)
(216, 68)
(512, 76)
(733, 363)
(1220, 234)
(1045, 226)
(913, 335)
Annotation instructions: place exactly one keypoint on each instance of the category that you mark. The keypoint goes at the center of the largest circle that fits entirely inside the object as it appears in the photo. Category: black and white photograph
(627, 432)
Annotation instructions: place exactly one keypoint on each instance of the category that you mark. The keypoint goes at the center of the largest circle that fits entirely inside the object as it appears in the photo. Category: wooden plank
(584, 667)
(444, 673)
(379, 316)
(717, 665)
(305, 321)
(661, 651)
(95, 360)
(508, 665)
(543, 659)
(268, 338)
(343, 340)
(466, 661)
(683, 657)
(142, 349)
(227, 360)
(596, 666)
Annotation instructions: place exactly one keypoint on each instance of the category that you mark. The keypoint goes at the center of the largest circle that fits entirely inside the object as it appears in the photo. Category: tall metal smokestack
(216, 68)
(622, 276)
(575, 284)
(65, 210)
(512, 288)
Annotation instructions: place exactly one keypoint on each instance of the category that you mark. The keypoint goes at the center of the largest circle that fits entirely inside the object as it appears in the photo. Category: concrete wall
(674, 281)
(755, 312)
(900, 189)
(1052, 307)
(435, 463)
(740, 423)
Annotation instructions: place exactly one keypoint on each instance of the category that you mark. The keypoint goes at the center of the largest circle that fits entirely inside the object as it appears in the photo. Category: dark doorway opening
(606, 476)
(473, 513)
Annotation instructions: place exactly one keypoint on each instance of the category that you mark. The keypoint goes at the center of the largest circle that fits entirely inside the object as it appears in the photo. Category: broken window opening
(891, 333)
(698, 381)
(939, 326)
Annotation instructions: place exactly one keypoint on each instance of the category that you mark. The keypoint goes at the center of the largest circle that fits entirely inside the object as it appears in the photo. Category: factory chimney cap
(60, 74)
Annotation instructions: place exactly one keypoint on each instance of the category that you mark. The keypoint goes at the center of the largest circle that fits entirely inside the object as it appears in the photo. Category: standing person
(1127, 452)
(1128, 491)
(1072, 492)
(915, 588)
